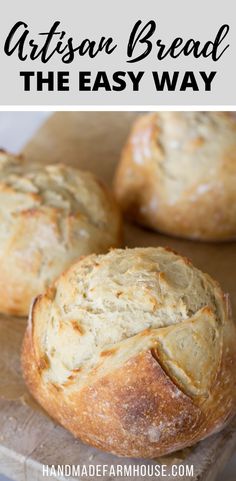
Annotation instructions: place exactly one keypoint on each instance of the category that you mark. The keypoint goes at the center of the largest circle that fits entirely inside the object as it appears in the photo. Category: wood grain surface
(28, 437)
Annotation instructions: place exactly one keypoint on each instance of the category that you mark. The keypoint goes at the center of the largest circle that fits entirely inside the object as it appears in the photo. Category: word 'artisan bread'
(49, 216)
(177, 174)
(133, 352)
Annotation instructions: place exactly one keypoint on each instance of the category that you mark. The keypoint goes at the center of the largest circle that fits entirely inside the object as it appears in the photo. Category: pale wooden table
(30, 439)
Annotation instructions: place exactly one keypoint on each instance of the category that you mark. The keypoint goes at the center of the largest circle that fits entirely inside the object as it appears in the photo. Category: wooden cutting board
(28, 437)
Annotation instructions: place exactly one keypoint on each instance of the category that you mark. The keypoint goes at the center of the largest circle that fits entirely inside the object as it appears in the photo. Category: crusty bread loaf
(178, 174)
(49, 216)
(133, 352)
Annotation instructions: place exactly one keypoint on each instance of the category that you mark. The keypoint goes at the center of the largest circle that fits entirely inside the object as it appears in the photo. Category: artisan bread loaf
(177, 174)
(133, 352)
(49, 216)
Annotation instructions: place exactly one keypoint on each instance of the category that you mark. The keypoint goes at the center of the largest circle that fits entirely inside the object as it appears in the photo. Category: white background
(199, 20)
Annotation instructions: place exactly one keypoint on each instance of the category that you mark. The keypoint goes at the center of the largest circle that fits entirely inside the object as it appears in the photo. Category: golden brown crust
(153, 371)
(177, 174)
(139, 411)
(49, 217)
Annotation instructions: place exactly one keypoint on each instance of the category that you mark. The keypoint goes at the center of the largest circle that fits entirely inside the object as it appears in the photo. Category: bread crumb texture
(177, 174)
(133, 352)
(49, 216)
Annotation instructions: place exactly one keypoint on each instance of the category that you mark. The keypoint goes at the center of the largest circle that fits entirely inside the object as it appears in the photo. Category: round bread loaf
(133, 352)
(178, 174)
(49, 216)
